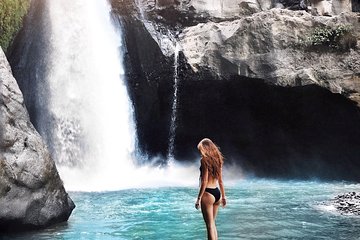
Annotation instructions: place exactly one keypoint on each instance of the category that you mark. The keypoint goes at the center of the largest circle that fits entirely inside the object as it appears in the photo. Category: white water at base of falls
(92, 116)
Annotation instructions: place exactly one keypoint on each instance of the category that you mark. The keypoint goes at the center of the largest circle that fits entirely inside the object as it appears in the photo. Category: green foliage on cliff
(336, 38)
(11, 15)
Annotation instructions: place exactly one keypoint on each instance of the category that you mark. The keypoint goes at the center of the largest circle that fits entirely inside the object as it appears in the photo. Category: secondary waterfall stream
(92, 116)
(174, 106)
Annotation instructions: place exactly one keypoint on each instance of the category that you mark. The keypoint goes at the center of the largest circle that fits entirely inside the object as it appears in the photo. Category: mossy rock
(11, 16)
(339, 38)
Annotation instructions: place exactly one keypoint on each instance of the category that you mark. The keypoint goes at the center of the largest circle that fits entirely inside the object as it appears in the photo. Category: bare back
(209, 180)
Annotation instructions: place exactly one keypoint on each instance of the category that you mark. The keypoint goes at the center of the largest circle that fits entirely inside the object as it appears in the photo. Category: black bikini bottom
(215, 192)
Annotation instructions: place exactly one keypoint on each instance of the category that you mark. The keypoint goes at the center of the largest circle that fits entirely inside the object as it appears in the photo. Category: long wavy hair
(211, 157)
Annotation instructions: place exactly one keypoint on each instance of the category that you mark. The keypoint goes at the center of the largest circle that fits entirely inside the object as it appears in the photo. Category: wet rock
(31, 192)
(347, 203)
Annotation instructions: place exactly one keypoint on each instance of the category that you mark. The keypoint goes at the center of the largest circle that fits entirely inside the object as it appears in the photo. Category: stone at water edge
(32, 194)
(347, 203)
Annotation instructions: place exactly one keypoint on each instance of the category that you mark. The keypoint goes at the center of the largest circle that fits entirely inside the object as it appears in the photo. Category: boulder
(32, 194)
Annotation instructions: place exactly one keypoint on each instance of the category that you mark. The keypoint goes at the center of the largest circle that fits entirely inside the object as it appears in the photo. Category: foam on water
(326, 208)
(110, 179)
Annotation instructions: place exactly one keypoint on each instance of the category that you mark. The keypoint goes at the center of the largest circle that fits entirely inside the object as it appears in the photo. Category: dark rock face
(149, 76)
(31, 192)
(355, 5)
(271, 131)
(294, 4)
(300, 132)
(28, 60)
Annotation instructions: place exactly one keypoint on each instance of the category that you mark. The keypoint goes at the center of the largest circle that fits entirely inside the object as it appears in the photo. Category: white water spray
(174, 105)
(92, 116)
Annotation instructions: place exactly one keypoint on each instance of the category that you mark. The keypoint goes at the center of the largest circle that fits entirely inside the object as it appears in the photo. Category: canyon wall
(249, 78)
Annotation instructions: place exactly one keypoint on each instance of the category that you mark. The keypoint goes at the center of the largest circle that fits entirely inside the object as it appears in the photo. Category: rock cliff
(272, 45)
(266, 42)
(249, 79)
(31, 192)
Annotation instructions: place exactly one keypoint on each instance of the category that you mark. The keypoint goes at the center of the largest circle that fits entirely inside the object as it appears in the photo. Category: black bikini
(213, 191)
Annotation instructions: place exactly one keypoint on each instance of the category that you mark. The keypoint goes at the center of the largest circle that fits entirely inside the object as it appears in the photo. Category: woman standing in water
(211, 176)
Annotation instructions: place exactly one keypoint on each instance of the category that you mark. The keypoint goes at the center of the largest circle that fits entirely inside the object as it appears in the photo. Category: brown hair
(211, 157)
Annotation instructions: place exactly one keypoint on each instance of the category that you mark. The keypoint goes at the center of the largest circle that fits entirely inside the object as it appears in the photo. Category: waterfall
(174, 105)
(92, 116)
(91, 126)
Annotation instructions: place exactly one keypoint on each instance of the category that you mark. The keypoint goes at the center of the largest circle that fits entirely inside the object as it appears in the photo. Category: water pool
(258, 209)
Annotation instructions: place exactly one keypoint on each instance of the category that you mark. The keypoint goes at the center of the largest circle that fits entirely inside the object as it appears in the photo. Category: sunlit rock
(273, 50)
(31, 192)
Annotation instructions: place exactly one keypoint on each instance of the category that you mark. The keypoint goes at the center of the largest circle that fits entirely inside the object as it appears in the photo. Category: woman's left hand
(197, 204)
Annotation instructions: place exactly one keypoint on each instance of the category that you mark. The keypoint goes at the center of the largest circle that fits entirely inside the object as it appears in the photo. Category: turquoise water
(256, 210)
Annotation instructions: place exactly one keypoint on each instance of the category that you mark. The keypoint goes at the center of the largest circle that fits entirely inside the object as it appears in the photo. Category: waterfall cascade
(93, 125)
(174, 105)
(92, 122)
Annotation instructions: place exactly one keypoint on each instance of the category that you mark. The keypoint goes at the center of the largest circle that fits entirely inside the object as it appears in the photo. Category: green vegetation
(11, 15)
(336, 38)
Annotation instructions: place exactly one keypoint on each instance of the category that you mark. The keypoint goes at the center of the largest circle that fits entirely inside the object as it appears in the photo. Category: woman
(211, 176)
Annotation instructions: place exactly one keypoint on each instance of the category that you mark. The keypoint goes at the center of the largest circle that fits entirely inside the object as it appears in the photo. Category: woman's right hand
(223, 201)
(197, 204)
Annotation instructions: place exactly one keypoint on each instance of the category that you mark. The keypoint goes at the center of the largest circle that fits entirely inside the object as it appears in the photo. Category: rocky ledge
(32, 194)
(285, 47)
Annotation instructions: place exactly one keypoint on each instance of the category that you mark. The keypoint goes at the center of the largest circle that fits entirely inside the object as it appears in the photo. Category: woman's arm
(222, 190)
(204, 180)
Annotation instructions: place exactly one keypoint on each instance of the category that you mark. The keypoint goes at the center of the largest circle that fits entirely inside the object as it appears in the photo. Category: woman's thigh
(215, 209)
(207, 207)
